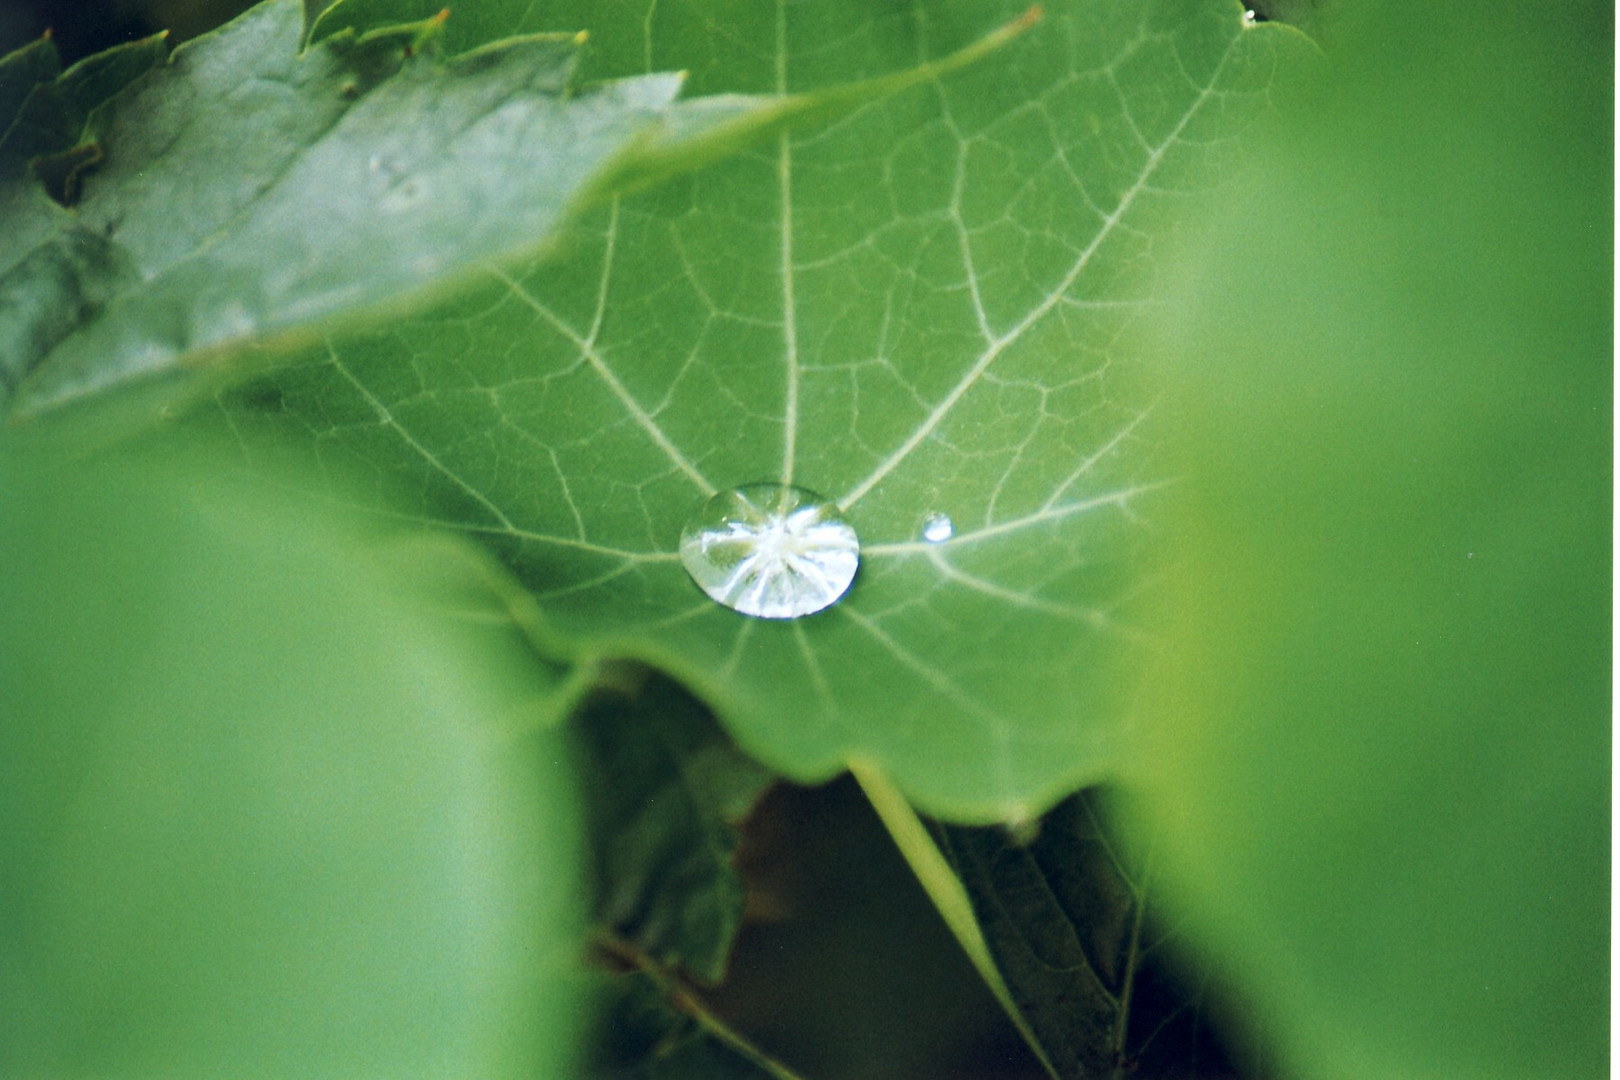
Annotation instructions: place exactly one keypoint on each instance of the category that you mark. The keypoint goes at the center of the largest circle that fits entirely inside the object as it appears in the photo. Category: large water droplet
(770, 550)
(938, 528)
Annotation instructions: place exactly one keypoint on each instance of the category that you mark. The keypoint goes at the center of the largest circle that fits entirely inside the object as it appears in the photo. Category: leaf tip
(1029, 18)
(582, 37)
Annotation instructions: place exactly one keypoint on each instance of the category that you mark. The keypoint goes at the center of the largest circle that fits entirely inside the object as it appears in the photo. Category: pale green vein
(588, 350)
(559, 541)
(684, 616)
(586, 585)
(790, 332)
(818, 679)
(738, 646)
(605, 279)
(932, 676)
(1000, 344)
(1089, 463)
(963, 241)
(647, 36)
(1045, 515)
(386, 417)
(1092, 617)
(634, 557)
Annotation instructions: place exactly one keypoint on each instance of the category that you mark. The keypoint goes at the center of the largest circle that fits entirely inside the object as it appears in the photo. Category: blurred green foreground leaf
(1378, 739)
(264, 810)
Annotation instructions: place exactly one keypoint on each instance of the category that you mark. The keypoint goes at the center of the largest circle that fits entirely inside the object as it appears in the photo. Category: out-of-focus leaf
(52, 117)
(664, 789)
(264, 811)
(21, 70)
(1376, 750)
(1066, 917)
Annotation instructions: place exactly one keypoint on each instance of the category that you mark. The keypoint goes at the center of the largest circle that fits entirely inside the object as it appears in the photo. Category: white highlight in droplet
(938, 528)
(771, 550)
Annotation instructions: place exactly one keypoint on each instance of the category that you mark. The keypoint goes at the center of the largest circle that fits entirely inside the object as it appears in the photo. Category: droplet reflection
(770, 550)
(938, 528)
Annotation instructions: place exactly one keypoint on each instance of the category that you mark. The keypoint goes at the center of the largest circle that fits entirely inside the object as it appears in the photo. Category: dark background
(82, 27)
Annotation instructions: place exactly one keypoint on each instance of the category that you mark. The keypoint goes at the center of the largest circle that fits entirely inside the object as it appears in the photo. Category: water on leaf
(771, 550)
(938, 528)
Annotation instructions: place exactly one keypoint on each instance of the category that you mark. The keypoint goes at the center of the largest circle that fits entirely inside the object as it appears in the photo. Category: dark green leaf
(1067, 918)
(20, 72)
(664, 788)
(52, 118)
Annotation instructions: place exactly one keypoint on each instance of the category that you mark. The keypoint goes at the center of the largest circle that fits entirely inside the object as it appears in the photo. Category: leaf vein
(593, 357)
(386, 417)
(1000, 344)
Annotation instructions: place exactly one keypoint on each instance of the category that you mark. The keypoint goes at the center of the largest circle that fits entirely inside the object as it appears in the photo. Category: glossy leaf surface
(913, 311)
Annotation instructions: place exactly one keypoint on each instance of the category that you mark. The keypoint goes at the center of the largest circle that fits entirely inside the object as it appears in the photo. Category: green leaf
(468, 25)
(1066, 916)
(914, 310)
(266, 811)
(372, 177)
(20, 72)
(365, 173)
(1376, 753)
(52, 117)
(664, 790)
(43, 112)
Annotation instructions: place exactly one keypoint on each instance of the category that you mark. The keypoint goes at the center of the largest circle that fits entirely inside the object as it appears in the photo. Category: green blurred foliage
(1375, 752)
(266, 810)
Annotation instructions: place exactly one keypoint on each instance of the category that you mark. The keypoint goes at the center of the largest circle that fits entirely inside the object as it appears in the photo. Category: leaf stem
(683, 999)
(944, 888)
(1134, 950)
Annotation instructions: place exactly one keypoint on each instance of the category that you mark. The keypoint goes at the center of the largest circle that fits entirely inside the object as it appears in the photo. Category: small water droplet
(1248, 16)
(938, 528)
(770, 550)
